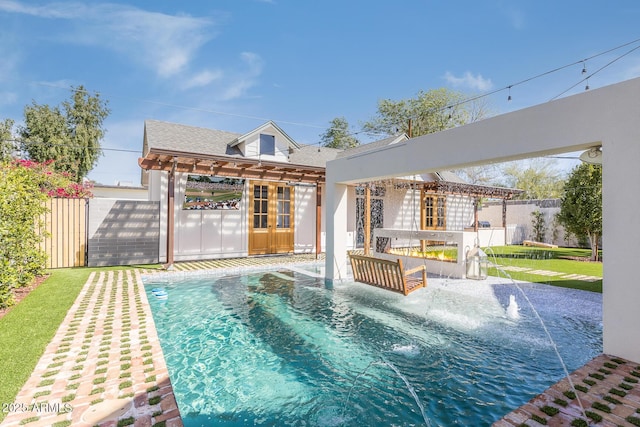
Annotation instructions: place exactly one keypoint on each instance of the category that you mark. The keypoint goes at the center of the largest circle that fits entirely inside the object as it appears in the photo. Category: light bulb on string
(509, 97)
(584, 68)
(587, 86)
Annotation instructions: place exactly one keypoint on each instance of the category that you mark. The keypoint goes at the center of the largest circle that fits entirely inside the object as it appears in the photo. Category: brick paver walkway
(607, 388)
(582, 277)
(104, 365)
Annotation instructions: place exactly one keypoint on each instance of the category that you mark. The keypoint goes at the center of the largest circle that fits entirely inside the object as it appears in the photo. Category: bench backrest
(379, 272)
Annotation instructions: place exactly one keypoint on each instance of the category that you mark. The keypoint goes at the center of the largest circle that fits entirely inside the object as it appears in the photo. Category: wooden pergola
(475, 191)
(443, 187)
(171, 161)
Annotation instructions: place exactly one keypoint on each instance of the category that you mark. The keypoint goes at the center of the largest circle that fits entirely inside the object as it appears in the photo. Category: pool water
(280, 348)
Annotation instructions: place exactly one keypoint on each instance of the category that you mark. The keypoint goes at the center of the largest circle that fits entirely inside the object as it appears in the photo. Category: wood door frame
(274, 235)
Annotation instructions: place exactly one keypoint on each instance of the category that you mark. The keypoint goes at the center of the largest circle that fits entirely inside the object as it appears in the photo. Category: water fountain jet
(513, 309)
(402, 377)
(544, 327)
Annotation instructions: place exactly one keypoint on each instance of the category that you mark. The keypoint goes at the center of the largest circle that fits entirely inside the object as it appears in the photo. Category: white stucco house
(225, 195)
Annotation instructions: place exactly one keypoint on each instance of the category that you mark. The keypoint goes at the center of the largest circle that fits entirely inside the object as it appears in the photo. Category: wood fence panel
(65, 227)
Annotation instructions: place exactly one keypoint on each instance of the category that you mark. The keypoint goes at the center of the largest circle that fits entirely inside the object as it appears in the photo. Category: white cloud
(469, 81)
(51, 10)
(165, 43)
(202, 78)
(246, 80)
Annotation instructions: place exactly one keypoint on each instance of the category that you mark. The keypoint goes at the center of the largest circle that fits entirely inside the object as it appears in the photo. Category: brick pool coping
(607, 387)
(104, 365)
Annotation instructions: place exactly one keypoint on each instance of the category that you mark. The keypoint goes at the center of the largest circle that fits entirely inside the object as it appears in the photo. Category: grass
(549, 259)
(26, 330)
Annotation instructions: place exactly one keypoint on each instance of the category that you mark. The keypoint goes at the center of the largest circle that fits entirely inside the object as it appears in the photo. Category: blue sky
(234, 64)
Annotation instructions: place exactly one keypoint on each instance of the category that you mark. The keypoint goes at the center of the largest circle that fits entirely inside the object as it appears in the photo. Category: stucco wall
(520, 221)
(123, 232)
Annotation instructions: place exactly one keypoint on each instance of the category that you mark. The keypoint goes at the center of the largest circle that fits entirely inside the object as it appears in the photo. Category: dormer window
(267, 144)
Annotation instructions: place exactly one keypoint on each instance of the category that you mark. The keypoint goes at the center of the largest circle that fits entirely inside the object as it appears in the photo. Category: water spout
(513, 309)
(544, 328)
(402, 377)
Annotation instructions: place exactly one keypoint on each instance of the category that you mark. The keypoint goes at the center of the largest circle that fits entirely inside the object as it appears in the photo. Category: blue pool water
(279, 348)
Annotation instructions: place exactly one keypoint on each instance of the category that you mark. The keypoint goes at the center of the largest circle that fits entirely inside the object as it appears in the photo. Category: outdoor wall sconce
(592, 156)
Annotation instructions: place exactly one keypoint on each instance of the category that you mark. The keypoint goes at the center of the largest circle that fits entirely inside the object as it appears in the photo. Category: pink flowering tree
(56, 184)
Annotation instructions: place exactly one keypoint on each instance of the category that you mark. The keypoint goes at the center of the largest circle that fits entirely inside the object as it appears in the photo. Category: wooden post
(475, 215)
(318, 220)
(423, 218)
(170, 216)
(367, 219)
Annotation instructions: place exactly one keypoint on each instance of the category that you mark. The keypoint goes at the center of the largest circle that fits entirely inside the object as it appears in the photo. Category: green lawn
(27, 329)
(547, 259)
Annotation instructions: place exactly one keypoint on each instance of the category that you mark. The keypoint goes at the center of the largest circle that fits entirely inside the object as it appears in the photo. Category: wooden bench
(387, 274)
(538, 244)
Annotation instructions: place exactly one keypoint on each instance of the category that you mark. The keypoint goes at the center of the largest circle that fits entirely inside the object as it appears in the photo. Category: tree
(69, 134)
(539, 178)
(428, 112)
(478, 175)
(7, 146)
(539, 226)
(338, 135)
(581, 208)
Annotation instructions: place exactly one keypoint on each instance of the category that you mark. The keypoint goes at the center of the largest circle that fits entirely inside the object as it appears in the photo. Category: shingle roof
(201, 141)
(188, 139)
(197, 140)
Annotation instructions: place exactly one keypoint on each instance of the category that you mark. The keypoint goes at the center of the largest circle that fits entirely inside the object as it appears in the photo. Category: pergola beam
(229, 167)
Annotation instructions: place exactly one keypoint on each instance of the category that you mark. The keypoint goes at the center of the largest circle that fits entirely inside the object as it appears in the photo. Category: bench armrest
(415, 270)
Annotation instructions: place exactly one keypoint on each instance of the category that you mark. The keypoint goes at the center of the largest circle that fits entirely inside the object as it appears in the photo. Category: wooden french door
(271, 228)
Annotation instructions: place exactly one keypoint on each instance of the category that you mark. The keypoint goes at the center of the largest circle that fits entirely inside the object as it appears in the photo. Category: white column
(336, 222)
(621, 235)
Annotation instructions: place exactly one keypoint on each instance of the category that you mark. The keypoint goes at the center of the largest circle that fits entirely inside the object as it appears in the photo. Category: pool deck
(105, 366)
(605, 392)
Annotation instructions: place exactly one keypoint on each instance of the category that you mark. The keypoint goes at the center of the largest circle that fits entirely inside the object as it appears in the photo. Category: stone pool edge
(104, 366)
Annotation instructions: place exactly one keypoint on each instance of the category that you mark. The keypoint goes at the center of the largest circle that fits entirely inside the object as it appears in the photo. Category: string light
(598, 70)
(451, 106)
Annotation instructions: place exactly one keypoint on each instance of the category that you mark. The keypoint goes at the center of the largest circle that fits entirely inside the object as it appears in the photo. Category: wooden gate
(65, 229)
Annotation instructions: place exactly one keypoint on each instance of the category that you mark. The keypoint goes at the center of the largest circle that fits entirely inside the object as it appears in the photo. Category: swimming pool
(279, 348)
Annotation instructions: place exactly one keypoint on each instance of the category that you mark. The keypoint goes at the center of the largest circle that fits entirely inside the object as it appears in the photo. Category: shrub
(24, 189)
(21, 205)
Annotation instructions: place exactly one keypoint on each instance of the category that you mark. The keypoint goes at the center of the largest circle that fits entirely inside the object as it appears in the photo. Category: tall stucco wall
(520, 220)
(123, 232)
